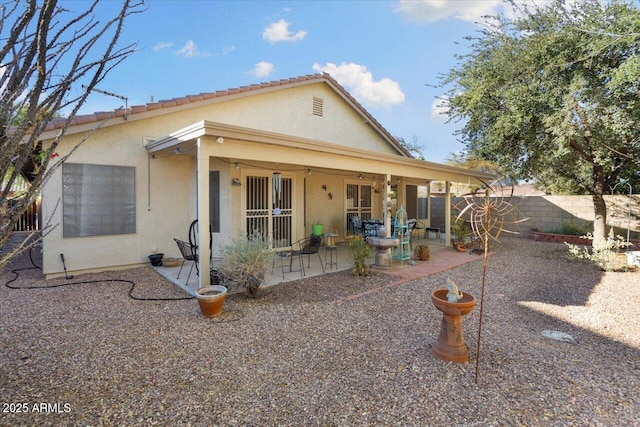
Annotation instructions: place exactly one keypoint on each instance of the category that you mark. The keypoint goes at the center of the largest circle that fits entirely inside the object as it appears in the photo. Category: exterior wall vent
(318, 104)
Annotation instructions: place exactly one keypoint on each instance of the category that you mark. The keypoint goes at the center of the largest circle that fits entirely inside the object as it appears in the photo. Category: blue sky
(385, 53)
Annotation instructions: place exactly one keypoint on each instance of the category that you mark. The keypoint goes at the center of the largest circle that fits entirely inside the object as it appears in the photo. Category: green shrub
(360, 251)
(246, 261)
(572, 229)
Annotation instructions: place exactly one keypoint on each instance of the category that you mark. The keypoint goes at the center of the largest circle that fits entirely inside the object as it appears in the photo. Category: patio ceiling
(229, 141)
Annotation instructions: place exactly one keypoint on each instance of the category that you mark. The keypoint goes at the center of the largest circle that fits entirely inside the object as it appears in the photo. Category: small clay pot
(211, 300)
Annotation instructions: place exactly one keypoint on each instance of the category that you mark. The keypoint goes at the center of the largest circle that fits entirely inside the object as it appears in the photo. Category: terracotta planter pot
(450, 345)
(211, 300)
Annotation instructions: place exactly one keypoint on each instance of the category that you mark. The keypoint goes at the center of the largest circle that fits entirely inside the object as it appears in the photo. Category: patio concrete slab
(442, 258)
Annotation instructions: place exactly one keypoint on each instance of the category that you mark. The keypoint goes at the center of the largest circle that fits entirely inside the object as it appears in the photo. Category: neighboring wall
(550, 212)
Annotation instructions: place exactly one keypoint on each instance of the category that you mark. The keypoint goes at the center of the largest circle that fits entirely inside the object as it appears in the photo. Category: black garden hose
(84, 282)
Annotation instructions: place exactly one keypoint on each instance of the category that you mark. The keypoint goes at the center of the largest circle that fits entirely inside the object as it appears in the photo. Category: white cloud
(440, 110)
(162, 45)
(279, 31)
(464, 10)
(227, 50)
(359, 81)
(435, 10)
(262, 69)
(191, 50)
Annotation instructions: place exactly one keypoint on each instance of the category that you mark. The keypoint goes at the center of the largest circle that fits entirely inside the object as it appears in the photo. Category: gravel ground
(324, 351)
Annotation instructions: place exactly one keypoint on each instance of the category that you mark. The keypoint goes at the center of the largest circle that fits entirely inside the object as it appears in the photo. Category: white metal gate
(269, 207)
(358, 203)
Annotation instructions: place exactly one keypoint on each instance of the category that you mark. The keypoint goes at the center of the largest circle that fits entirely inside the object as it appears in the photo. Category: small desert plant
(460, 229)
(360, 251)
(245, 262)
(604, 254)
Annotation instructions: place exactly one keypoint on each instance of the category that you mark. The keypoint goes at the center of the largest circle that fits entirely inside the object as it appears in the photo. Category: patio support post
(447, 214)
(428, 203)
(385, 201)
(203, 214)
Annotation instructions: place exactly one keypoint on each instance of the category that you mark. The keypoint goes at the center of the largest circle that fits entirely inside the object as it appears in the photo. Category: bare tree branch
(47, 52)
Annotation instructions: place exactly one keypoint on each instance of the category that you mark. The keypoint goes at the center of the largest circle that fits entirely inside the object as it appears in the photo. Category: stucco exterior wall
(331, 211)
(290, 112)
(163, 204)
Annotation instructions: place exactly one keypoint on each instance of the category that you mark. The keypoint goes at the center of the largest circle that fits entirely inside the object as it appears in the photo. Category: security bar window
(98, 200)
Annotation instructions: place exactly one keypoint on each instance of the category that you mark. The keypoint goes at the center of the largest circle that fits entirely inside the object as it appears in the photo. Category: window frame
(104, 203)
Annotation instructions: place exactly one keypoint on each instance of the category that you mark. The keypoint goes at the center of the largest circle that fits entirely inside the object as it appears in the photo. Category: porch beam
(255, 151)
(203, 214)
(447, 214)
(386, 200)
(428, 203)
(255, 144)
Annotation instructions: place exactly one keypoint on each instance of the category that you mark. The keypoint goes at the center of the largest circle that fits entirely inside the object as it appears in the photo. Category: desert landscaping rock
(329, 350)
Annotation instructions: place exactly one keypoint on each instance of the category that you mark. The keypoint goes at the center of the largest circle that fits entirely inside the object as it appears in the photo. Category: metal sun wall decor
(489, 216)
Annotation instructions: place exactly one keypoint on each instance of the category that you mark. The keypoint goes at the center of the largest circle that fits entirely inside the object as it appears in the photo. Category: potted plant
(461, 233)
(156, 259)
(422, 252)
(360, 251)
(245, 262)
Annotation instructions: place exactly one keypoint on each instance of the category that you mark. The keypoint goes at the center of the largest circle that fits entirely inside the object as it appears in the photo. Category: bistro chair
(411, 225)
(287, 253)
(189, 253)
(307, 246)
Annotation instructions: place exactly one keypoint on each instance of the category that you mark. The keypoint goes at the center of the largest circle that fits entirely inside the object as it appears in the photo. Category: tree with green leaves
(51, 58)
(553, 95)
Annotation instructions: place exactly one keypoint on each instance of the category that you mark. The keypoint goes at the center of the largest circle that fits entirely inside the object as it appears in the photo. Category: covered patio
(316, 178)
(443, 257)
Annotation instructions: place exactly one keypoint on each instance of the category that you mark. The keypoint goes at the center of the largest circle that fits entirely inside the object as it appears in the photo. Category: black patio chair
(284, 253)
(189, 253)
(307, 246)
(411, 225)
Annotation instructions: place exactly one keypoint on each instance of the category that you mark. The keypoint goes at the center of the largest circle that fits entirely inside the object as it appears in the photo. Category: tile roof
(137, 109)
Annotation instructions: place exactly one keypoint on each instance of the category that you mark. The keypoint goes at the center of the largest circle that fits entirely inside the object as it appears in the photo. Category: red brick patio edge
(441, 261)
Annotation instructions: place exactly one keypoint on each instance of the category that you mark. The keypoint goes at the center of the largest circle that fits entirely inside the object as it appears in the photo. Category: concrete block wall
(549, 212)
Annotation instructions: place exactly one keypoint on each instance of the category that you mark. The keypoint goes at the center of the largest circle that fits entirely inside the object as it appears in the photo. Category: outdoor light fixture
(220, 140)
(176, 150)
(236, 165)
(360, 176)
(308, 171)
(235, 181)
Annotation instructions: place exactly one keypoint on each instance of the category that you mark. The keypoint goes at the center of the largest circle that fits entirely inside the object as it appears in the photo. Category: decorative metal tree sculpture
(489, 217)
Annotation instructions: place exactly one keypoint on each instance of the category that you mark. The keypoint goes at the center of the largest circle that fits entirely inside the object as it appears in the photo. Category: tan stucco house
(278, 157)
